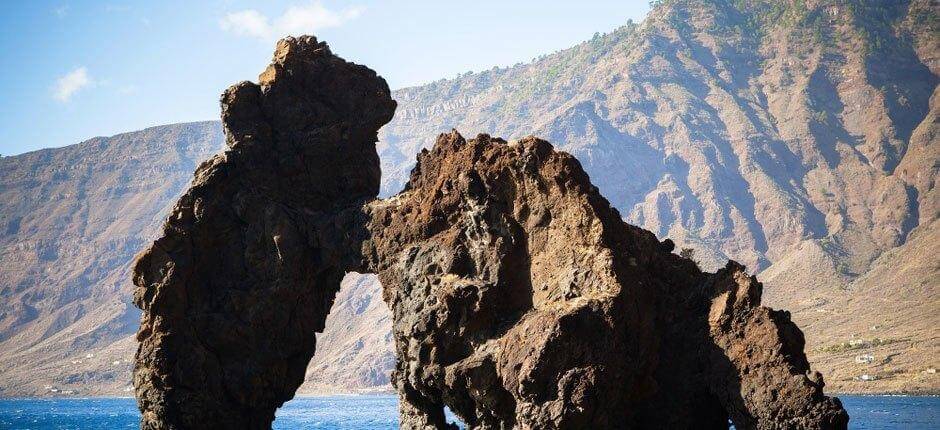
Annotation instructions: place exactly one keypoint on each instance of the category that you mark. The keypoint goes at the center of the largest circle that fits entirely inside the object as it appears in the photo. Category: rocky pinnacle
(253, 253)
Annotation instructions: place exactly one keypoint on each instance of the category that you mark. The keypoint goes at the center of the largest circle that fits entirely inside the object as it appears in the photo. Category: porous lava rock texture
(253, 253)
(520, 298)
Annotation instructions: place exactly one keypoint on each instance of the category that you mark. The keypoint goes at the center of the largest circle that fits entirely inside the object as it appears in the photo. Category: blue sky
(73, 70)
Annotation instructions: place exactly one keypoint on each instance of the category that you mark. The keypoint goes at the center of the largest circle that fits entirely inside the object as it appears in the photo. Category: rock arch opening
(357, 336)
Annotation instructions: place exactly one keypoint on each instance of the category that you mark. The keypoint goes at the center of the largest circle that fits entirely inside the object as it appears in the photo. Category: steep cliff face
(760, 125)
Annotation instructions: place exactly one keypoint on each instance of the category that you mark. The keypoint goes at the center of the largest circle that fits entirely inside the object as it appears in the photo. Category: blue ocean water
(380, 412)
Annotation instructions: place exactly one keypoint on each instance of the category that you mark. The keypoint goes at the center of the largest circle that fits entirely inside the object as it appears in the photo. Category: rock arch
(520, 298)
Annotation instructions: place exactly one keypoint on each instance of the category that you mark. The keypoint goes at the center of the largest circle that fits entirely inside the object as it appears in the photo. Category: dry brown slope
(73, 218)
(890, 313)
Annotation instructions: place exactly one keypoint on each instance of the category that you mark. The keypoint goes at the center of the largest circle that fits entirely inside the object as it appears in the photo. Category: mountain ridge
(800, 140)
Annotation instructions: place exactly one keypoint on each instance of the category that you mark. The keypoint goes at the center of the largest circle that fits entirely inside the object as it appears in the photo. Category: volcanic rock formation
(253, 254)
(520, 297)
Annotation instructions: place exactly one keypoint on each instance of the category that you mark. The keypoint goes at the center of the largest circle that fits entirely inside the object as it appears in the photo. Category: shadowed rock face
(253, 254)
(520, 297)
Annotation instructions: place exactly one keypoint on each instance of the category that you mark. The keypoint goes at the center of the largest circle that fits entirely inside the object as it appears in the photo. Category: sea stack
(253, 253)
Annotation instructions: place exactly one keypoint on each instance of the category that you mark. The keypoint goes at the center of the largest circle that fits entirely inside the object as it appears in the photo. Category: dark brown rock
(757, 368)
(253, 254)
(520, 298)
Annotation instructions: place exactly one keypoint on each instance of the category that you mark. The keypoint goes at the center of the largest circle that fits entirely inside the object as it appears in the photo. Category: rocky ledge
(520, 297)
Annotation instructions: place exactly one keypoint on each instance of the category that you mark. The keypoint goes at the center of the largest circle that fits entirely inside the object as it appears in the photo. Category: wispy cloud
(248, 23)
(72, 82)
(294, 21)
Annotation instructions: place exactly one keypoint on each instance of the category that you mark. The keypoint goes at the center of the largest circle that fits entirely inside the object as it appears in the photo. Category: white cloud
(69, 84)
(61, 11)
(295, 21)
(247, 22)
(300, 19)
